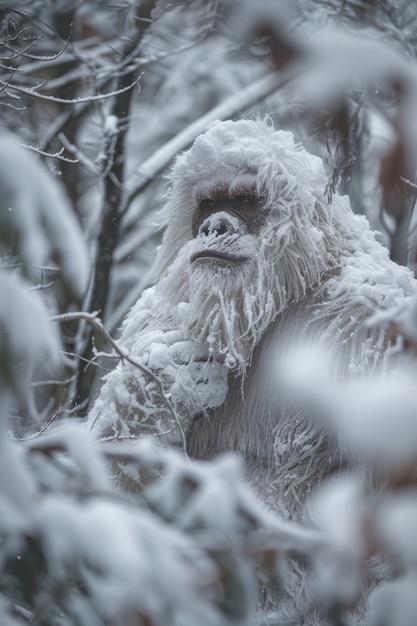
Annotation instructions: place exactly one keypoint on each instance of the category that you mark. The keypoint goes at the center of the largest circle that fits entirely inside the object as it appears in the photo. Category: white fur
(212, 334)
(316, 271)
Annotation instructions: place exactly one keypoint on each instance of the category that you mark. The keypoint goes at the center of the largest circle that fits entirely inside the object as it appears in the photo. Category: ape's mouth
(216, 256)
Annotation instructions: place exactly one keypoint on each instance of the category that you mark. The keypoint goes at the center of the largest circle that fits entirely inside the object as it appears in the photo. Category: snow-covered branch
(96, 323)
(80, 100)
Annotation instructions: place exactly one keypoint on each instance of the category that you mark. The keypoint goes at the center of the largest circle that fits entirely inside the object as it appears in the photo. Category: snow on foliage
(378, 419)
(131, 565)
(395, 603)
(188, 553)
(99, 559)
(36, 219)
(196, 546)
(375, 417)
(26, 336)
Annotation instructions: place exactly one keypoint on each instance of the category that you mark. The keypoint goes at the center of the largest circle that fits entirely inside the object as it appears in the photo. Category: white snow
(396, 524)
(128, 560)
(35, 208)
(26, 333)
(378, 419)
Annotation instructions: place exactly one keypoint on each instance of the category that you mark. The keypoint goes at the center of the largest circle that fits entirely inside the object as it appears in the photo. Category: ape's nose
(219, 224)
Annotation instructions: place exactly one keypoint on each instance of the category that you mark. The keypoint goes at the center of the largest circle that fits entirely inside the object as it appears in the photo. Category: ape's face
(224, 226)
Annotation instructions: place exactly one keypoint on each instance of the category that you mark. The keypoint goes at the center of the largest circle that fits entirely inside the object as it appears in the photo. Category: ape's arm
(171, 383)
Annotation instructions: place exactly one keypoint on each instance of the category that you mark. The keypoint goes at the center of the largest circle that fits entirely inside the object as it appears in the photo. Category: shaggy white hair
(210, 334)
(315, 270)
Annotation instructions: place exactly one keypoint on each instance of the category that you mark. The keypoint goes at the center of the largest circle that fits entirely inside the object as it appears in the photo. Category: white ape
(253, 260)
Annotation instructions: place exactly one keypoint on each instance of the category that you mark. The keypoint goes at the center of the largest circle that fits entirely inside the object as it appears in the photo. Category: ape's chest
(235, 426)
(286, 455)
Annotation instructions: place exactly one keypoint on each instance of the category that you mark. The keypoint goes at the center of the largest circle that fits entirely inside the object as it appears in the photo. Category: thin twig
(73, 356)
(57, 155)
(40, 96)
(96, 323)
(408, 182)
(79, 155)
(43, 383)
(17, 53)
(53, 417)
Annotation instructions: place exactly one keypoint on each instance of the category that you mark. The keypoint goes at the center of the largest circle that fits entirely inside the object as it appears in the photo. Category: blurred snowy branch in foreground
(73, 550)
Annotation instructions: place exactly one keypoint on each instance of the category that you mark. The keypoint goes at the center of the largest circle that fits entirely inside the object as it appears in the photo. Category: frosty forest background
(96, 99)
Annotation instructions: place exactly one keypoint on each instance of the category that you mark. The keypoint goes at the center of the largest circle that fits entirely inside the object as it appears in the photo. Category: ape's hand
(185, 369)
(210, 378)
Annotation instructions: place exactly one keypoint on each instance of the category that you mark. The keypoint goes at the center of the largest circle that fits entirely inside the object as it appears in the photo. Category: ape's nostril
(222, 228)
(215, 227)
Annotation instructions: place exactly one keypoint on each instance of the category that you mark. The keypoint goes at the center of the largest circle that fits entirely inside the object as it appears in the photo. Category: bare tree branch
(101, 96)
(96, 323)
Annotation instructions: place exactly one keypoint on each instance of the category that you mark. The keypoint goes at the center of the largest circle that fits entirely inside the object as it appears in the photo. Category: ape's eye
(245, 201)
(207, 204)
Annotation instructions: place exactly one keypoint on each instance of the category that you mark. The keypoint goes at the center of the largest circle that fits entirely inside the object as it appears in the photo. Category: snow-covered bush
(106, 94)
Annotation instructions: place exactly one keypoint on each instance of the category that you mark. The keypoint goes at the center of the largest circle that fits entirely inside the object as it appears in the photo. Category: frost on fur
(234, 288)
(254, 264)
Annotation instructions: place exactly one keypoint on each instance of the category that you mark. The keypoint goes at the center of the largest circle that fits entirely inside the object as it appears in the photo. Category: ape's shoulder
(367, 276)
